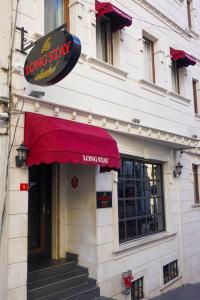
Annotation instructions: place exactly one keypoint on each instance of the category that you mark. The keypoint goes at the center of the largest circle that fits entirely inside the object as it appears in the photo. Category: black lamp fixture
(20, 159)
(178, 170)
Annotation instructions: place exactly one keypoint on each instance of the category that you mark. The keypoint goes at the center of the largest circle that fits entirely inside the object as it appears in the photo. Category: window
(189, 2)
(149, 68)
(170, 271)
(196, 183)
(137, 289)
(175, 78)
(194, 86)
(104, 40)
(140, 199)
(56, 13)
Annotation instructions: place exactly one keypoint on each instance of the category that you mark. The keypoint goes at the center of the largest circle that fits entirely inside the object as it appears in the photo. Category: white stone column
(17, 220)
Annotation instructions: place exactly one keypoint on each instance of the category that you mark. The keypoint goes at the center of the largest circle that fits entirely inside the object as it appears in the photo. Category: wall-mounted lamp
(22, 155)
(178, 170)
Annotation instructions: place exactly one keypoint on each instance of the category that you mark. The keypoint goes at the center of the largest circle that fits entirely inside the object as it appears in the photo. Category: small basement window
(137, 291)
(170, 271)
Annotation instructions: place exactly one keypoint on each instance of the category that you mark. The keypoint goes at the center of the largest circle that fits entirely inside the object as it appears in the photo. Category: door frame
(59, 210)
(45, 249)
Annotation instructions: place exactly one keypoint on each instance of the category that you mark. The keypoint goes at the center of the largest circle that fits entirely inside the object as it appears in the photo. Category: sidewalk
(186, 292)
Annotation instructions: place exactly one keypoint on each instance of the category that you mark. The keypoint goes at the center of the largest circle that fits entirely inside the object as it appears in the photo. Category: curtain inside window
(104, 40)
(148, 72)
(174, 77)
(99, 41)
(54, 14)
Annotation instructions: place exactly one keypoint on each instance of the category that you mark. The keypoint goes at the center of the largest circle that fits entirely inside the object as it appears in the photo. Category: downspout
(9, 109)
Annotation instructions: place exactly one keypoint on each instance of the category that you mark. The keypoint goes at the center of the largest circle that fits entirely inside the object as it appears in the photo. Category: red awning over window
(182, 58)
(52, 140)
(119, 19)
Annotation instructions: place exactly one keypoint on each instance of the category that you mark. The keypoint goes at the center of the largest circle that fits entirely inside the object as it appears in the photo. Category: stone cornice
(156, 12)
(169, 139)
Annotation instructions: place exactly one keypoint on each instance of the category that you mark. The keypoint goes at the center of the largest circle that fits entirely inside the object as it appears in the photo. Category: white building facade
(129, 82)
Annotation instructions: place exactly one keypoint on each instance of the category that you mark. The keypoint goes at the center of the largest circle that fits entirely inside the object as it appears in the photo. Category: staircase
(62, 280)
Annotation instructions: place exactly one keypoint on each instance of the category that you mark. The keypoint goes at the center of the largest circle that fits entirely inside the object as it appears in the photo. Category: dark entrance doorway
(40, 212)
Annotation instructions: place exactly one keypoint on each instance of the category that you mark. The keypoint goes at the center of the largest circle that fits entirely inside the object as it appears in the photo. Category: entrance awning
(119, 19)
(52, 140)
(182, 58)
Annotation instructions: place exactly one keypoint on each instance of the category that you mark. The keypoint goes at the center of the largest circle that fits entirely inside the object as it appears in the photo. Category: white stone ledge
(193, 33)
(145, 84)
(197, 205)
(142, 242)
(165, 286)
(197, 117)
(181, 99)
(82, 58)
(109, 69)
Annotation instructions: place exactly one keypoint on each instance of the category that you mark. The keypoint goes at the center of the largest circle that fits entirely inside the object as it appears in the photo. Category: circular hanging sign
(74, 182)
(52, 58)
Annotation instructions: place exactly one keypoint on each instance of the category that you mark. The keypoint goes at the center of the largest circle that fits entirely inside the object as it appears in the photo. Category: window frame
(108, 40)
(152, 63)
(66, 15)
(172, 273)
(155, 215)
(195, 96)
(189, 16)
(135, 286)
(196, 183)
(175, 75)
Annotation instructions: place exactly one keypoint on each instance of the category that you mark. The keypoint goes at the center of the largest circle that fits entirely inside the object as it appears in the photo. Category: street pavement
(186, 292)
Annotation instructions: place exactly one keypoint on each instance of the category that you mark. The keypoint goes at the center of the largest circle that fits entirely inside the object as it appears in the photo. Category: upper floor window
(196, 183)
(195, 95)
(109, 21)
(56, 13)
(140, 199)
(104, 40)
(180, 60)
(175, 78)
(189, 15)
(149, 66)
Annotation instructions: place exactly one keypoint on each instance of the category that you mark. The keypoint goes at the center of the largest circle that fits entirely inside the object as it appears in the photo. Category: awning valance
(182, 58)
(119, 19)
(52, 140)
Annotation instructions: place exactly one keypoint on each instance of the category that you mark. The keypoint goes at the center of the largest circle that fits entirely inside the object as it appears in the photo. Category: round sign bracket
(24, 40)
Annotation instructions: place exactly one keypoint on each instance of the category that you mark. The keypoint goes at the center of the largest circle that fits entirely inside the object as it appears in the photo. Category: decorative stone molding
(175, 141)
(164, 287)
(179, 97)
(75, 2)
(132, 246)
(153, 85)
(93, 17)
(156, 12)
(104, 67)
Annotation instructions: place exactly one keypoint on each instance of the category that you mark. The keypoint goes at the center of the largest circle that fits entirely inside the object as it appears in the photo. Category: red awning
(119, 19)
(182, 58)
(52, 140)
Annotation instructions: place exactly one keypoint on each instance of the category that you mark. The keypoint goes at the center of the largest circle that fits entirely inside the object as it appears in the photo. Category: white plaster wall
(101, 89)
(17, 219)
(4, 221)
(81, 219)
(145, 257)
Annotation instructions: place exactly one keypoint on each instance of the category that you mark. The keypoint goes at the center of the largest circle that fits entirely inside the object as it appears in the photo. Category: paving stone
(186, 292)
